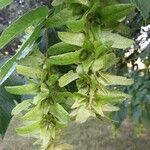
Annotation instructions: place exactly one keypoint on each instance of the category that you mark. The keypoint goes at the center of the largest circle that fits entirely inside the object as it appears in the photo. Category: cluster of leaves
(13, 11)
(140, 106)
(69, 81)
(138, 110)
(7, 100)
(139, 18)
(7, 103)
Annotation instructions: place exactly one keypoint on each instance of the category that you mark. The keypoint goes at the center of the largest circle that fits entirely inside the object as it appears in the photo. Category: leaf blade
(21, 106)
(28, 71)
(67, 78)
(143, 6)
(61, 48)
(11, 63)
(64, 59)
(115, 80)
(21, 24)
(72, 38)
(118, 40)
(104, 62)
(22, 89)
(82, 115)
(28, 129)
(115, 12)
(59, 18)
(4, 3)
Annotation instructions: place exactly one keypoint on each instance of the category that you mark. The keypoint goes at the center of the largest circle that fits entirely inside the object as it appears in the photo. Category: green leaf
(104, 62)
(115, 12)
(143, 6)
(118, 40)
(59, 18)
(111, 97)
(60, 113)
(83, 2)
(57, 2)
(77, 97)
(21, 107)
(29, 129)
(28, 71)
(4, 3)
(7, 69)
(7, 102)
(45, 136)
(72, 38)
(23, 89)
(109, 108)
(33, 114)
(61, 48)
(64, 59)
(123, 29)
(76, 105)
(108, 79)
(76, 25)
(82, 115)
(102, 48)
(67, 78)
(98, 109)
(35, 55)
(22, 23)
